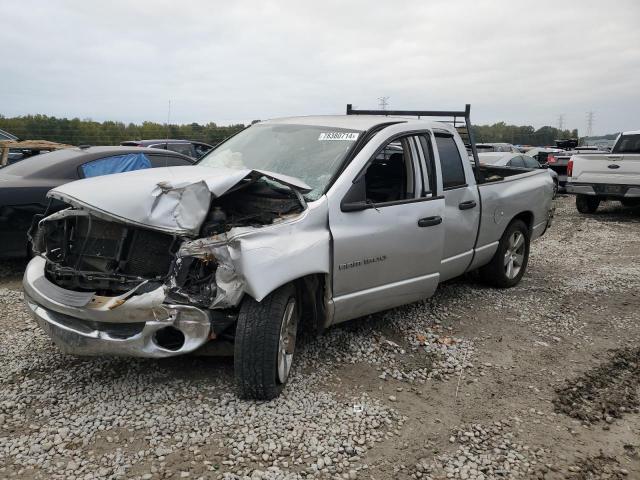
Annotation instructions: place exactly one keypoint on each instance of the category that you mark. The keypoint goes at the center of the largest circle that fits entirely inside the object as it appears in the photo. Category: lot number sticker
(348, 136)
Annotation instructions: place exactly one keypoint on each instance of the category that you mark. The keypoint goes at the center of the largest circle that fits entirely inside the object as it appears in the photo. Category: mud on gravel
(605, 392)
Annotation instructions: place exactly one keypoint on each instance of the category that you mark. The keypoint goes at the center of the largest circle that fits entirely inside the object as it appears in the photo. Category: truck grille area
(88, 253)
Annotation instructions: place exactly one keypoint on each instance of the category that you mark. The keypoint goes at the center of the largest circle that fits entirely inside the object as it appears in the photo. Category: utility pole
(383, 102)
(590, 117)
(561, 122)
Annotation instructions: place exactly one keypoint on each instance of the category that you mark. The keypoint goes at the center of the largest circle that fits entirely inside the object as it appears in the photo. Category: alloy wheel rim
(514, 255)
(287, 340)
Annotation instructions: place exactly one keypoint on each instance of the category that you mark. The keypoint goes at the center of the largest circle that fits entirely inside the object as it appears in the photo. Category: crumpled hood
(169, 199)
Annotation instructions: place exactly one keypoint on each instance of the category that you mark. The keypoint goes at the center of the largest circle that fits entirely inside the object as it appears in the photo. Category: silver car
(292, 223)
(517, 160)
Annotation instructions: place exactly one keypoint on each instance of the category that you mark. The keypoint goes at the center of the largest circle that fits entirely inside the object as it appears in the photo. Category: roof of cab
(357, 122)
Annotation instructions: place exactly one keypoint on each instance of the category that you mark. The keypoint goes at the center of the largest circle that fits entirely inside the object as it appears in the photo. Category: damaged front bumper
(139, 325)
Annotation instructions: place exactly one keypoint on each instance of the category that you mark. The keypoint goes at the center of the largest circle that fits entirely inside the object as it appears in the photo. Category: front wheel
(265, 342)
(587, 203)
(630, 202)
(509, 263)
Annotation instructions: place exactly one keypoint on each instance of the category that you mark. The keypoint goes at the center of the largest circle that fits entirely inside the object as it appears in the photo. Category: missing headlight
(194, 280)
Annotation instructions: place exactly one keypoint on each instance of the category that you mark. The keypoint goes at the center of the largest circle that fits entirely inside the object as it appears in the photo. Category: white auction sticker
(349, 136)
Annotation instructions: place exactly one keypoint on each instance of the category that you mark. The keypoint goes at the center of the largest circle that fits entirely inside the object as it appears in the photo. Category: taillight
(570, 168)
(551, 159)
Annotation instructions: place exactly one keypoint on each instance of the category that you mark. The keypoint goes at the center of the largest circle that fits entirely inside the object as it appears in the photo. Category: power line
(590, 119)
(383, 102)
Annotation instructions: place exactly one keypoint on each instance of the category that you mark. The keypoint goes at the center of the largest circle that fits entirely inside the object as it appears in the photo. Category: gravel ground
(539, 381)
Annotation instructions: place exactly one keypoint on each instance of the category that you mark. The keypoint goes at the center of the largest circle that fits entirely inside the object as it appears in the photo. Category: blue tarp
(116, 164)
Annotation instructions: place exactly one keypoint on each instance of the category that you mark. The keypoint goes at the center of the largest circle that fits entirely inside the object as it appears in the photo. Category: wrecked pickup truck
(292, 223)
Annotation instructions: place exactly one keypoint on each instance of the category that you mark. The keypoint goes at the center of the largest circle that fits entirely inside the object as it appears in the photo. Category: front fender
(261, 259)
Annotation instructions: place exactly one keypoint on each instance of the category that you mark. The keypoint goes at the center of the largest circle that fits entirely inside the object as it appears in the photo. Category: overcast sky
(233, 61)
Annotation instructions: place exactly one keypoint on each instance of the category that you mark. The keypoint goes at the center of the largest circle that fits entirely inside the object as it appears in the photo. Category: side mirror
(356, 198)
(544, 165)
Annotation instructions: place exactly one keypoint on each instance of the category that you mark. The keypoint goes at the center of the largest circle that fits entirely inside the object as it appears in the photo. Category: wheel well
(311, 291)
(526, 217)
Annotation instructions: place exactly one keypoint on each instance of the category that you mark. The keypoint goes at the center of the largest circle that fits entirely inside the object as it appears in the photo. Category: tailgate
(617, 169)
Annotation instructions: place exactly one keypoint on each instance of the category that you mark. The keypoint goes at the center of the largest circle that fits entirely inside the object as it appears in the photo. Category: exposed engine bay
(87, 252)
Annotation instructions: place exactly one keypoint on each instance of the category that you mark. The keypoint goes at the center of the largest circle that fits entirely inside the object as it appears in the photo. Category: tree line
(520, 135)
(88, 132)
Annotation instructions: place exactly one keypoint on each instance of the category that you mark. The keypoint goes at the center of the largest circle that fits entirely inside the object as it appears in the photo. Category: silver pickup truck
(292, 223)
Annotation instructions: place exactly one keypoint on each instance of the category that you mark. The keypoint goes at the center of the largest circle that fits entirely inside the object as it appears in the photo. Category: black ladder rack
(461, 121)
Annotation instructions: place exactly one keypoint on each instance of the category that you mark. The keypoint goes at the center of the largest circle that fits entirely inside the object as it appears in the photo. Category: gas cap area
(498, 215)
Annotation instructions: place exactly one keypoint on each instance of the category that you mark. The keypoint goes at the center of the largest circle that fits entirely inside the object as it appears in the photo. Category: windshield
(311, 153)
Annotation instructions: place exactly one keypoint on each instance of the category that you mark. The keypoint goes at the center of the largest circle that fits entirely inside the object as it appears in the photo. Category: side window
(391, 175)
(168, 161)
(516, 162)
(200, 149)
(450, 162)
(115, 164)
(530, 162)
(183, 148)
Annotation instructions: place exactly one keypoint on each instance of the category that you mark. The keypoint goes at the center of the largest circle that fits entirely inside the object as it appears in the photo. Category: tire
(630, 202)
(587, 203)
(515, 243)
(265, 340)
(555, 188)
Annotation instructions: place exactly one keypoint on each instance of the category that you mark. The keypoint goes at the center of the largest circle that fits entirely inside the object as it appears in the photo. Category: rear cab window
(627, 144)
(453, 175)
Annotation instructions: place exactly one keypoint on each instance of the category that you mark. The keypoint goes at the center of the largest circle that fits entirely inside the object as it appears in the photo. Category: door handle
(429, 221)
(613, 165)
(467, 205)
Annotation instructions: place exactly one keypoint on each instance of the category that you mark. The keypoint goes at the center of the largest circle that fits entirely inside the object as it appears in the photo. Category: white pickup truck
(615, 176)
(307, 221)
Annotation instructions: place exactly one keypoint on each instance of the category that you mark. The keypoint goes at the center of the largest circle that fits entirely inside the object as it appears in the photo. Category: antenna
(383, 102)
(168, 120)
(561, 122)
(590, 117)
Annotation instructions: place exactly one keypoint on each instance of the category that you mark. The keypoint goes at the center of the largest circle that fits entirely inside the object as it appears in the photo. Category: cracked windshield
(308, 152)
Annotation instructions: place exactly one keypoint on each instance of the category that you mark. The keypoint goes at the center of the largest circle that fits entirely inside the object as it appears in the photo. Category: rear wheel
(510, 260)
(265, 343)
(587, 203)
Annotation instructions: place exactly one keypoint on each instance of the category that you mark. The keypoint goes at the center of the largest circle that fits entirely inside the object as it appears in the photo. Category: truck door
(388, 254)
(462, 207)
